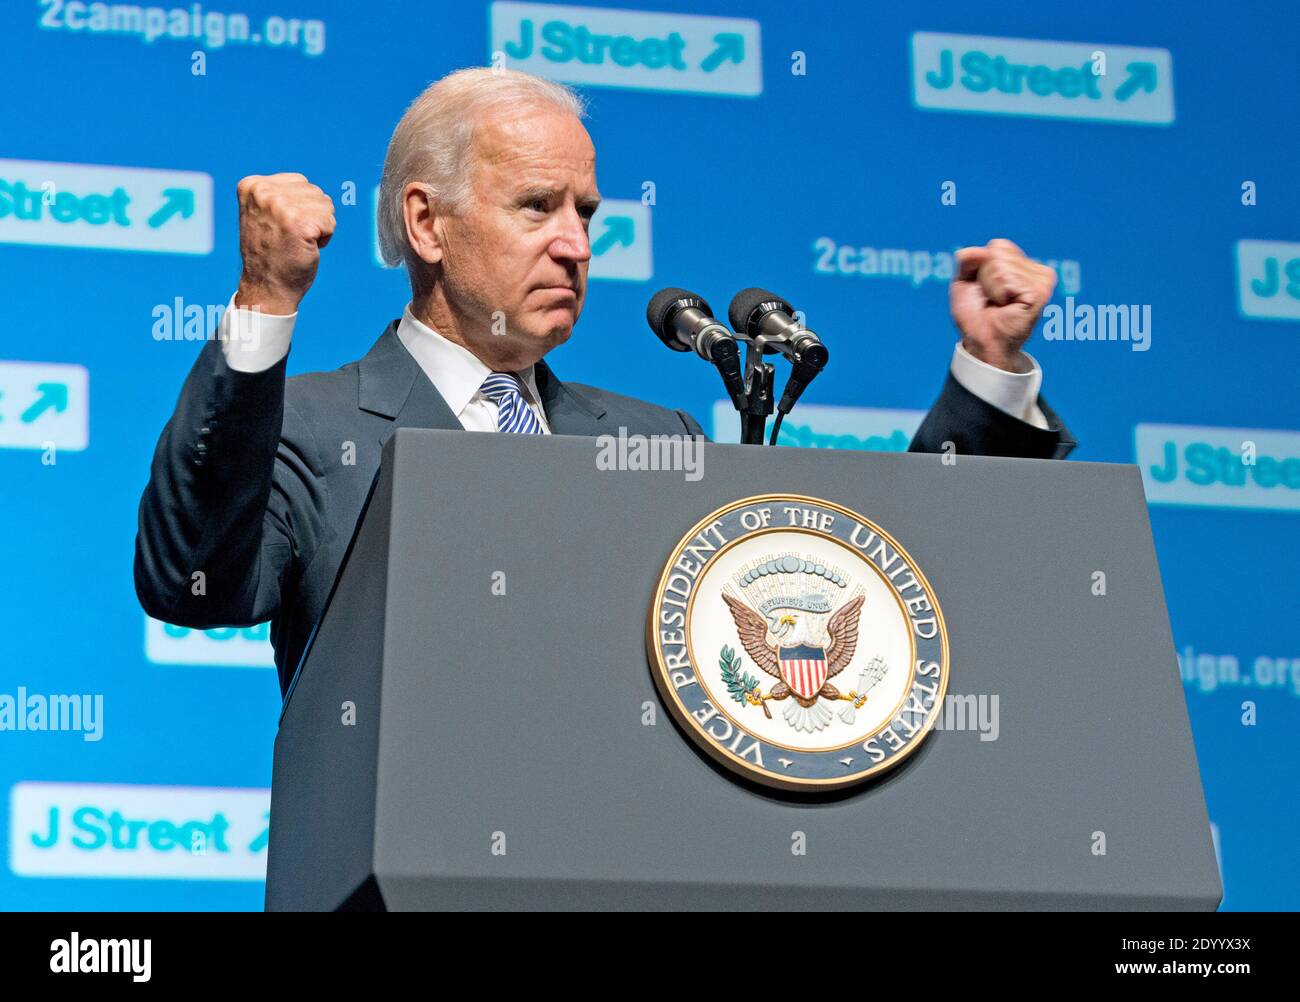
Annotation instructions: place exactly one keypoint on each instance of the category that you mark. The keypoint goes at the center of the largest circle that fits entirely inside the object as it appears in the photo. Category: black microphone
(684, 322)
(759, 314)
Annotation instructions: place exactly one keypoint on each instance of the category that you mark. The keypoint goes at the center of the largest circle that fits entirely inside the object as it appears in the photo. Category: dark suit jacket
(258, 482)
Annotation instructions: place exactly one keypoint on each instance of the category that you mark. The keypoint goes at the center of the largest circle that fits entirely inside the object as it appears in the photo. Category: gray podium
(481, 717)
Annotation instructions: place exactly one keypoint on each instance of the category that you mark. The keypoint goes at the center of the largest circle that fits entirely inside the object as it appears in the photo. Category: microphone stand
(758, 390)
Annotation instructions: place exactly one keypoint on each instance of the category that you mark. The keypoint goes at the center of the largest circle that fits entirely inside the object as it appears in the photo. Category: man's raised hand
(996, 297)
(284, 221)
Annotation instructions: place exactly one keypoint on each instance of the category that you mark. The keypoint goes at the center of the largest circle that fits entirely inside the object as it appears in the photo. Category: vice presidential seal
(797, 643)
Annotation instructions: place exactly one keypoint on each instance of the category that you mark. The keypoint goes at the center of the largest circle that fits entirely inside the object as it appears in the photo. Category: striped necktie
(513, 412)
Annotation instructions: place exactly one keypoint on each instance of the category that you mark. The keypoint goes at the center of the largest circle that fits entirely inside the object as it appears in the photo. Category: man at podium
(488, 189)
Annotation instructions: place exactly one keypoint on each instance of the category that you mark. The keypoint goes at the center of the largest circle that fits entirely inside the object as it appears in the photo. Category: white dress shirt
(1014, 393)
(458, 375)
(253, 342)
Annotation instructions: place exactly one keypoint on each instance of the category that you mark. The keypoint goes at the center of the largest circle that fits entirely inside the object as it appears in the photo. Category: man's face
(515, 261)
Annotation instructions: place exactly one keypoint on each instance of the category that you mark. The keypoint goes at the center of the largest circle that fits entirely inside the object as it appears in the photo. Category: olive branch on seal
(738, 684)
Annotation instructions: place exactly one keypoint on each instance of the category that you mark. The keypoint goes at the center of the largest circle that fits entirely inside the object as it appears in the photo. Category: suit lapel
(568, 411)
(392, 385)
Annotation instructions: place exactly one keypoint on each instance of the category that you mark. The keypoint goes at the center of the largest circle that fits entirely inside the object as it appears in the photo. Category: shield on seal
(803, 668)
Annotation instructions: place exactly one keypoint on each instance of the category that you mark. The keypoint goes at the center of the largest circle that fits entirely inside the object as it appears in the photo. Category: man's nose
(572, 242)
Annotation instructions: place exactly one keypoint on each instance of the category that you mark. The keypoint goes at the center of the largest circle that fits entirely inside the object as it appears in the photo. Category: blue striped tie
(513, 412)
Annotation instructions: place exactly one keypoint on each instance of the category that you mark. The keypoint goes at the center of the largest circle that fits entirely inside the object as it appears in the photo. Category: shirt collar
(455, 371)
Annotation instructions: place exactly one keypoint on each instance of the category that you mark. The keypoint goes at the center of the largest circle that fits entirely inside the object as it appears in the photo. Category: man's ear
(422, 223)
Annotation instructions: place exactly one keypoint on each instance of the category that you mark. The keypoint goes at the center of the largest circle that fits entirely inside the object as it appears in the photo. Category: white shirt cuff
(1014, 393)
(253, 341)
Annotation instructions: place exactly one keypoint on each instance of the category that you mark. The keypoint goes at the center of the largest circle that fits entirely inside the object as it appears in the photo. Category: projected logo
(1219, 467)
(629, 48)
(912, 266)
(225, 646)
(620, 241)
(1268, 279)
(44, 402)
(103, 830)
(814, 426)
(117, 208)
(209, 29)
(1017, 76)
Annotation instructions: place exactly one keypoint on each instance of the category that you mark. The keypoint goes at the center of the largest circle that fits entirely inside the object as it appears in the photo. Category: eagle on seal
(778, 660)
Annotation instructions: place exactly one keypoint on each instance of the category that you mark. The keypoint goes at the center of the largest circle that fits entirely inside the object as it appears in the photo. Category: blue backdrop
(837, 153)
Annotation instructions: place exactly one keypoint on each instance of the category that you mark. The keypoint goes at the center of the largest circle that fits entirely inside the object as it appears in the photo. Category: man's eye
(538, 204)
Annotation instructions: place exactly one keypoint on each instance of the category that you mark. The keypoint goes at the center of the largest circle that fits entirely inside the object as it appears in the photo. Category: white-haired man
(488, 189)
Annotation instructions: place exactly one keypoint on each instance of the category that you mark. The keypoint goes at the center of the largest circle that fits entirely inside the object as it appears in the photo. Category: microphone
(756, 313)
(684, 322)
(764, 318)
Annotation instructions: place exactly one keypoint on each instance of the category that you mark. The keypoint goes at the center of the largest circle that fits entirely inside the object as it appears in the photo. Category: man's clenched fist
(284, 221)
(996, 298)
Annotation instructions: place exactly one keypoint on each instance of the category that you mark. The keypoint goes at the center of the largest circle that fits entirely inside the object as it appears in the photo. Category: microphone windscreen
(745, 304)
(662, 304)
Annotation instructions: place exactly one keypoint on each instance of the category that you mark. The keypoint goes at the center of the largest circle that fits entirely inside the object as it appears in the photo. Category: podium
(475, 725)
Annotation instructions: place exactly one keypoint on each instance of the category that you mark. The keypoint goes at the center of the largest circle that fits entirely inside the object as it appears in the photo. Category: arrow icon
(731, 48)
(52, 395)
(1141, 75)
(261, 840)
(618, 229)
(178, 200)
